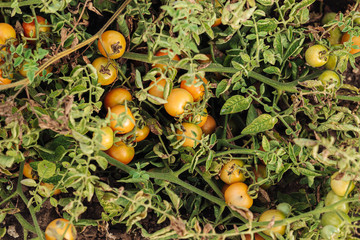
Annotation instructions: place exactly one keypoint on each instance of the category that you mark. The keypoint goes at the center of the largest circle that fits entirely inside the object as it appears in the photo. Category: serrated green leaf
(235, 104)
(262, 123)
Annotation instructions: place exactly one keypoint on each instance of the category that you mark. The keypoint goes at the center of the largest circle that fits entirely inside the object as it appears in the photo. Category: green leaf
(28, 182)
(46, 169)
(175, 199)
(252, 114)
(262, 123)
(273, 70)
(265, 144)
(222, 87)
(236, 104)
(103, 163)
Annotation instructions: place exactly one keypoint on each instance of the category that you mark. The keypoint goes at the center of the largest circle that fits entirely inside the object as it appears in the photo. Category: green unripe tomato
(316, 56)
(329, 232)
(332, 198)
(329, 77)
(339, 186)
(284, 208)
(328, 17)
(331, 63)
(275, 214)
(331, 218)
(335, 36)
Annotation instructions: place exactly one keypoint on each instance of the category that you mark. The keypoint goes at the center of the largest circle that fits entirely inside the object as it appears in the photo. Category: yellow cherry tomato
(192, 133)
(236, 194)
(141, 133)
(116, 96)
(28, 171)
(106, 72)
(231, 172)
(122, 152)
(316, 56)
(60, 229)
(128, 122)
(273, 215)
(107, 138)
(209, 126)
(112, 44)
(6, 32)
(177, 100)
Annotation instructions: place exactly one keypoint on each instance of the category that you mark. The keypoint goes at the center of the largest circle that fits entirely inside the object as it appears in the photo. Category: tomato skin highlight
(121, 152)
(127, 125)
(268, 216)
(177, 100)
(209, 126)
(191, 131)
(316, 55)
(164, 52)
(355, 42)
(117, 96)
(231, 172)
(58, 228)
(105, 70)
(6, 32)
(196, 91)
(236, 194)
(30, 30)
(114, 44)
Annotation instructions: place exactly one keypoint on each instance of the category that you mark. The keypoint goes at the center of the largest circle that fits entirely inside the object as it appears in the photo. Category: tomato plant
(273, 215)
(60, 228)
(331, 218)
(4, 80)
(177, 100)
(316, 56)
(329, 77)
(112, 44)
(30, 28)
(106, 72)
(190, 133)
(122, 152)
(236, 194)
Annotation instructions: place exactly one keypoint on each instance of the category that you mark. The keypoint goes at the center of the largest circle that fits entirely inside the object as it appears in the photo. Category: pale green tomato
(332, 198)
(339, 185)
(316, 56)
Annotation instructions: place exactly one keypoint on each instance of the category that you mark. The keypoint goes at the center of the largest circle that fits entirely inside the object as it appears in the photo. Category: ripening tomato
(60, 229)
(177, 100)
(209, 126)
(6, 32)
(355, 42)
(199, 119)
(49, 186)
(158, 87)
(141, 133)
(316, 56)
(117, 96)
(112, 44)
(23, 72)
(256, 237)
(164, 52)
(105, 69)
(340, 186)
(121, 152)
(332, 198)
(273, 215)
(231, 172)
(196, 91)
(192, 134)
(107, 138)
(28, 171)
(127, 122)
(30, 30)
(4, 81)
(236, 194)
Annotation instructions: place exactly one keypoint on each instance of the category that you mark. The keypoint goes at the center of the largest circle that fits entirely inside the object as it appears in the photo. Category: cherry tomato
(4, 81)
(231, 172)
(329, 232)
(335, 33)
(112, 44)
(141, 133)
(256, 237)
(340, 186)
(276, 215)
(261, 173)
(164, 52)
(50, 186)
(236, 194)
(191, 132)
(332, 198)
(209, 126)
(107, 138)
(199, 119)
(316, 56)
(331, 218)
(29, 28)
(6, 32)
(117, 96)
(60, 229)
(177, 100)
(158, 87)
(23, 72)
(331, 63)
(329, 77)
(328, 17)
(355, 42)
(196, 91)
(121, 152)
(127, 122)
(28, 171)
(106, 71)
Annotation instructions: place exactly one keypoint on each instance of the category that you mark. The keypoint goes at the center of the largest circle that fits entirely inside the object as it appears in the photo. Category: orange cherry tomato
(209, 126)
(30, 30)
(23, 72)
(127, 124)
(121, 152)
(260, 172)
(112, 44)
(217, 22)
(164, 52)
(231, 172)
(236, 194)
(60, 229)
(256, 237)
(28, 171)
(276, 215)
(141, 133)
(50, 186)
(107, 138)
(196, 91)
(199, 119)
(117, 96)
(6, 32)
(177, 100)
(355, 42)
(191, 132)
(106, 71)
(157, 89)
(4, 81)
